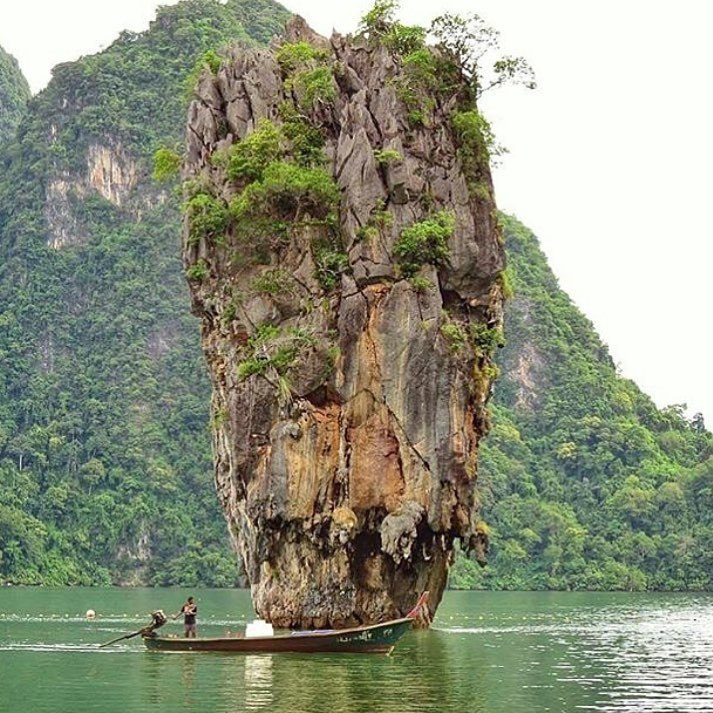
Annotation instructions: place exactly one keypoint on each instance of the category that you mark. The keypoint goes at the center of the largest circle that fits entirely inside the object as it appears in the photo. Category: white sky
(609, 161)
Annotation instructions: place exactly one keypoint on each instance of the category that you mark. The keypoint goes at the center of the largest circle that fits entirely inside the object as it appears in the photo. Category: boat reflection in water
(258, 681)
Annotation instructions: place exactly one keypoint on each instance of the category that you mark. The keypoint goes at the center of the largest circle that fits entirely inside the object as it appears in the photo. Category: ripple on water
(657, 661)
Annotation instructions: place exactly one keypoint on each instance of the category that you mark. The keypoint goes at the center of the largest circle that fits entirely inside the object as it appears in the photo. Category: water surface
(487, 652)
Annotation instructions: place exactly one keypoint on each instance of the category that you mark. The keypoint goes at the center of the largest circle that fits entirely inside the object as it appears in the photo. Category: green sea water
(487, 652)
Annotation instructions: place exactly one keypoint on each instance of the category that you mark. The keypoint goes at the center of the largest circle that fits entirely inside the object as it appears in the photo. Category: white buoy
(91, 614)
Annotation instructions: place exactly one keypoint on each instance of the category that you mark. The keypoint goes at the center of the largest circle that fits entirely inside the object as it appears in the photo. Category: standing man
(189, 611)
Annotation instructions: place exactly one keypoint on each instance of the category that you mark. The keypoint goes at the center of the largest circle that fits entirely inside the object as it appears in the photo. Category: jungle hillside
(106, 470)
(14, 95)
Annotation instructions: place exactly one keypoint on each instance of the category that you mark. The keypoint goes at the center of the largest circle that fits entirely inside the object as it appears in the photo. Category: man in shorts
(189, 611)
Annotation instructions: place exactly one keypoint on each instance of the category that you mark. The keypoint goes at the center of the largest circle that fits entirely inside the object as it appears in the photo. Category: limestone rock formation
(110, 172)
(342, 249)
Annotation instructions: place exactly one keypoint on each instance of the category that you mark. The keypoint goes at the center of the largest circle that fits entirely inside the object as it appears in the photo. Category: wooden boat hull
(376, 639)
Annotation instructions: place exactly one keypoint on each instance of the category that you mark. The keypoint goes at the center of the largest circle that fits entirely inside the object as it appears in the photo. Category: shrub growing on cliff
(248, 158)
(308, 71)
(198, 271)
(313, 84)
(475, 136)
(420, 67)
(386, 156)
(293, 55)
(278, 186)
(379, 219)
(421, 284)
(485, 339)
(269, 348)
(306, 143)
(272, 282)
(207, 217)
(425, 242)
(476, 144)
(455, 335)
(467, 49)
(285, 187)
(288, 191)
(380, 25)
(379, 19)
(330, 263)
(505, 279)
(417, 84)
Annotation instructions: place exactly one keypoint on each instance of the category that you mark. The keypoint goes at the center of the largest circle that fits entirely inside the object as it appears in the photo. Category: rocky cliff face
(343, 255)
(110, 172)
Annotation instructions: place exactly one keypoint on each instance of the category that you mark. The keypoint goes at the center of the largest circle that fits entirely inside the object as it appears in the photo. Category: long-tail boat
(373, 639)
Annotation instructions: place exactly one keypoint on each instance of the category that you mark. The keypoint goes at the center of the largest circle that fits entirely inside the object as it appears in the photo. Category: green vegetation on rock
(14, 95)
(425, 242)
(308, 72)
(279, 169)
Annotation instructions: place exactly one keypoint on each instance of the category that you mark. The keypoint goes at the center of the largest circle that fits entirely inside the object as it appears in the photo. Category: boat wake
(64, 648)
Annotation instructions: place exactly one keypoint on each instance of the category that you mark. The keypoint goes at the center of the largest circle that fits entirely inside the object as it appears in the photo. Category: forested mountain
(14, 94)
(105, 463)
(585, 483)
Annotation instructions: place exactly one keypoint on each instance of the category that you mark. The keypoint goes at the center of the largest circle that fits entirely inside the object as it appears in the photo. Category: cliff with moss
(342, 249)
(14, 95)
